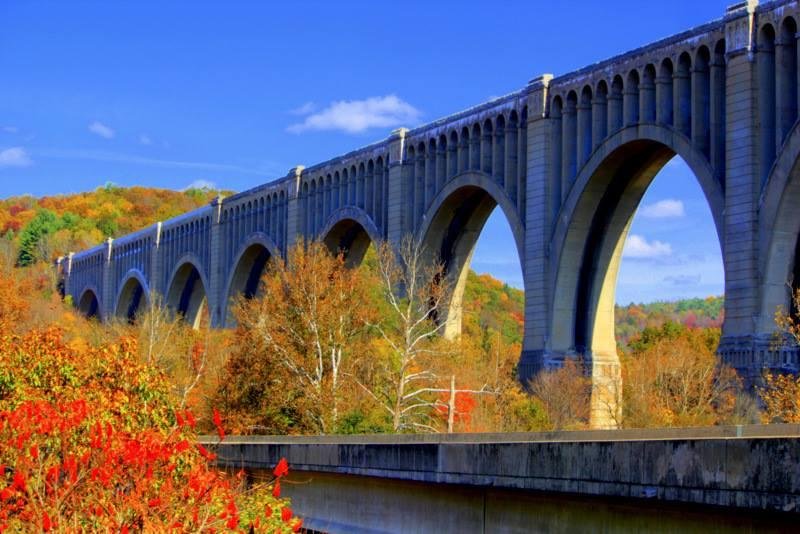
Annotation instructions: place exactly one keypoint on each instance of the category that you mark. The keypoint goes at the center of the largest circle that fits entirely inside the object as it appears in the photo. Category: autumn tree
(90, 441)
(780, 392)
(308, 319)
(564, 393)
(673, 377)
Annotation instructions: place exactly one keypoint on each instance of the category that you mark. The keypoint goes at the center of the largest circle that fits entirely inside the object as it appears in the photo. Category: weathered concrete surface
(346, 503)
(760, 470)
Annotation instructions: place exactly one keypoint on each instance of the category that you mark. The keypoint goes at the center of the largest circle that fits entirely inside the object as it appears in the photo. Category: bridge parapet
(358, 483)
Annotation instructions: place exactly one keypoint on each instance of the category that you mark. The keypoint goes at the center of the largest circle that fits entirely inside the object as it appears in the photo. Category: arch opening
(88, 305)
(246, 278)
(350, 238)
(187, 295)
(591, 234)
(131, 301)
(452, 236)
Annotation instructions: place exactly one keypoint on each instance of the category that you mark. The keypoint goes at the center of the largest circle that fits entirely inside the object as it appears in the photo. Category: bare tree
(415, 290)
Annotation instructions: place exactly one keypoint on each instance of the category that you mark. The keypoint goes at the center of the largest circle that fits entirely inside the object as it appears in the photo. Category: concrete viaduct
(567, 159)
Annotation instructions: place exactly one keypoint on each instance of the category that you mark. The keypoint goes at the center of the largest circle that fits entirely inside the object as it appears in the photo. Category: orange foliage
(90, 440)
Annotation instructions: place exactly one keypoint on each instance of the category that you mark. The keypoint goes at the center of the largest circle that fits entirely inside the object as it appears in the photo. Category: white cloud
(663, 209)
(201, 184)
(145, 139)
(354, 116)
(637, 246)
(10, 129)
(305, 109)
(98, 128)
(15, 157)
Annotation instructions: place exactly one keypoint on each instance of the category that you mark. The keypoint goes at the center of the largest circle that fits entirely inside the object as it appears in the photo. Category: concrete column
(499, 158)
(569, 133)
(486, 151)
(441, 165)
(630, 99)
(681, 100)
(599, 119)
(294, 214)
(535, 257)
(155, 262)
(717, 117)
(108, 281)
(430, 174)
(647, 96)
(664, 100)
(785, 90)
(584, 131)
(452, 161)
(398, 187)
(700, 108)
(741, 205)
(217, 300)
(614, 112)
(511, 161)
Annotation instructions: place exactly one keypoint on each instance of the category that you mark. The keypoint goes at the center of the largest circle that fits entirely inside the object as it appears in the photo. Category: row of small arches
(495, 146)
(364, 186)
(132, 255)
(777, 64)
(267, 214)
(686, 94)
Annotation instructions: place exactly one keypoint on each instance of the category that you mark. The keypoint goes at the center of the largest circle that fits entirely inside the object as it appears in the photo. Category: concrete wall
(454, 483)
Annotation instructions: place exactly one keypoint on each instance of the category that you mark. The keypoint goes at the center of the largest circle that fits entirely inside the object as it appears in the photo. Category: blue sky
(235, 93)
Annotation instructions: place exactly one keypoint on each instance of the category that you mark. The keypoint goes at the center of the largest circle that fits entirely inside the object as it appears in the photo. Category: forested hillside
(42, 228)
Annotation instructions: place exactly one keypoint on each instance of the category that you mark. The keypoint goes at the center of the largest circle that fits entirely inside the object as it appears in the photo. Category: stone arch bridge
(567, 160)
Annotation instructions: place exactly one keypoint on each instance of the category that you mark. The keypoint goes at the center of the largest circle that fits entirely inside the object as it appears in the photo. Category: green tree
(33, 236)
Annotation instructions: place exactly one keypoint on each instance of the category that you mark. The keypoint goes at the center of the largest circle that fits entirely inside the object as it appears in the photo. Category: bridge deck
(370, 483)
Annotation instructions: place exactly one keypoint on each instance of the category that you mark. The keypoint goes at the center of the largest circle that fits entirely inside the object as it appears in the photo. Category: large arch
(133, 296)
(247, 269)
(186, 293)
(588, 240)
(89, 303)
(779, 228)
(452, 225)
(350, 231)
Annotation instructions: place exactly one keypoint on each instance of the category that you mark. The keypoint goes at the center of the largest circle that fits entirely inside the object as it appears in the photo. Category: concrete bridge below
(726, 479)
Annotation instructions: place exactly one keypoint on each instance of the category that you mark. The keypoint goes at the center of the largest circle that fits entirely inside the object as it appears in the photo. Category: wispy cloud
(145, 139)
(663, 209)
(683, 279)
(98, 128)
(637, 246)
(15, 157)
(116, 157)
(355, 116)
(305, 109)
(10, 129)
(201, 184)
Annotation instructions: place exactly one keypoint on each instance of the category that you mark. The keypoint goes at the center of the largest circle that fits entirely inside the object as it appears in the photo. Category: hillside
(41, 228)
(706, 312)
